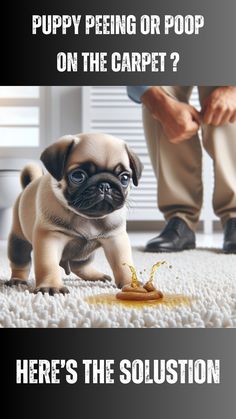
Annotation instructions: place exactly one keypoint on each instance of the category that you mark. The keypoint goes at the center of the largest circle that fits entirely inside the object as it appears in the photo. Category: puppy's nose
(104, 187)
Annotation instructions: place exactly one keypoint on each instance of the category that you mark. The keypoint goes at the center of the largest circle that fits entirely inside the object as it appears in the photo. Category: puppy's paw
(51, 290)
(103, 278)
(106, 278)
(122, 284)
(15, 282)
(96, 277)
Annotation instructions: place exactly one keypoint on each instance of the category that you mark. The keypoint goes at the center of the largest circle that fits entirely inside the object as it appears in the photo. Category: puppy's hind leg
(85, 270)
(19, 254)
(19, 251)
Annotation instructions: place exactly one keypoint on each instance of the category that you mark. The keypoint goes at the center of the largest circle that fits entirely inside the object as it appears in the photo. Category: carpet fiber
(200, 291)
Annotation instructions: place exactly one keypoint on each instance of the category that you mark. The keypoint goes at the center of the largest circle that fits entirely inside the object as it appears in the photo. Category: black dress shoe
(175, 237)
(229, 245)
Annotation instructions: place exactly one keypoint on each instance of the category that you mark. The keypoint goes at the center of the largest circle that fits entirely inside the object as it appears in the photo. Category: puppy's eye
(124, 179)
(78, 176)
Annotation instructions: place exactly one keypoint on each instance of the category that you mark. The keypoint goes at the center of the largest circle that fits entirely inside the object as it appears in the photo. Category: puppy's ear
(54, 157)
(135, 164)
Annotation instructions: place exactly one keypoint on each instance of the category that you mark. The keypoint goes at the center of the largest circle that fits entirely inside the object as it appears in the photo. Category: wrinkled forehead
(103, 151)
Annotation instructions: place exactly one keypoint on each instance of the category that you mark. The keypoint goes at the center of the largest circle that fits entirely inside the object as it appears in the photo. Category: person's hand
(220, 106)
(179, 120)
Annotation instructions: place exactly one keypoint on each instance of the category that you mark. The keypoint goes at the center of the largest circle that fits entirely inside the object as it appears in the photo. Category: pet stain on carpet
(168, 300)
(137, 291)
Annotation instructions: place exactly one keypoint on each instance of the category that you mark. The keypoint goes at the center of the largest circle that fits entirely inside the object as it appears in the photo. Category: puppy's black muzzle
(99, 195)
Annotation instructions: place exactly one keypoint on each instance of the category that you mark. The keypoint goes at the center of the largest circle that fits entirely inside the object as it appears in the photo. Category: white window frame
(43, 102)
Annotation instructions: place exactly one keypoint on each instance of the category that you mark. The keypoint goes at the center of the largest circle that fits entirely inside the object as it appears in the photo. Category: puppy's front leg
(48, 247)
(118, 251)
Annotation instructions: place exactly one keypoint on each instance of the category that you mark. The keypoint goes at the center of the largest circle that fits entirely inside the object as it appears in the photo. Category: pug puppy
(78, 206)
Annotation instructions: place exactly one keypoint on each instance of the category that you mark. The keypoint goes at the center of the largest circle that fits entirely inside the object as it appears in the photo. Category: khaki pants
(178, 168)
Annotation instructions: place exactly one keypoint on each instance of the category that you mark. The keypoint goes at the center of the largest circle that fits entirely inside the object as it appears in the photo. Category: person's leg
(177, 167)
(220, 143)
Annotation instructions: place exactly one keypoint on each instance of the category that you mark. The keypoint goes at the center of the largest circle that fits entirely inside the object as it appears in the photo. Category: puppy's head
(93, 172)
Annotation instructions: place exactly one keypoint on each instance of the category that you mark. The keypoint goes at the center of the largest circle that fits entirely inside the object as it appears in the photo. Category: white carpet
(206, 279)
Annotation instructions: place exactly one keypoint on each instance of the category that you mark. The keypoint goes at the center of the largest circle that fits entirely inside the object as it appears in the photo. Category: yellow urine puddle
(169, 300)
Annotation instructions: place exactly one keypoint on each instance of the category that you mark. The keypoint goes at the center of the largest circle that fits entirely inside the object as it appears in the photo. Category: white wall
(66, 112)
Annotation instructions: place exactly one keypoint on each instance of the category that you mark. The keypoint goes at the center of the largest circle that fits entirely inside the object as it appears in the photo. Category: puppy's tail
(29, 173)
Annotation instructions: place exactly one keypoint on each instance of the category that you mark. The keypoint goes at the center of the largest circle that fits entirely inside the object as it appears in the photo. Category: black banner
(206, 56)
(116, 400)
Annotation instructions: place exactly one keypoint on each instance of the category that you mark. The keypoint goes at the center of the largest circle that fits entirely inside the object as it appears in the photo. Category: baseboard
(217, 226)
(151, 225)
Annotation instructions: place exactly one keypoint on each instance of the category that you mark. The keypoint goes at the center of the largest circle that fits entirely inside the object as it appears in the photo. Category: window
(20, 116)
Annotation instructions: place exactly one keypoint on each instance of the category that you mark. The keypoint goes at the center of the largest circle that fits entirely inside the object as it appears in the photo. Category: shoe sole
(166, 250)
